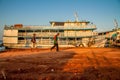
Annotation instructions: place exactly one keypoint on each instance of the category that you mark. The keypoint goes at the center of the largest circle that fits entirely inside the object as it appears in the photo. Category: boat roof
(69, 22)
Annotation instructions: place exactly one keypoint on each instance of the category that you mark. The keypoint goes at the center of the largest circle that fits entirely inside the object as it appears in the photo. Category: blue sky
(40, 12)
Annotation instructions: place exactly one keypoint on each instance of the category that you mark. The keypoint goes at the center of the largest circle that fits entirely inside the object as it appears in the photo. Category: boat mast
(76, 16)
(115, 24)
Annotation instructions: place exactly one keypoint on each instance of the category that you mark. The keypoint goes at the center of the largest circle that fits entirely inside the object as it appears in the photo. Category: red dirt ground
(67, 64)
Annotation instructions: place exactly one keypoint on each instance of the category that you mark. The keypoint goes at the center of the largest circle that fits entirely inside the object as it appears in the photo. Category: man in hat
(114, 36)
(33, 40)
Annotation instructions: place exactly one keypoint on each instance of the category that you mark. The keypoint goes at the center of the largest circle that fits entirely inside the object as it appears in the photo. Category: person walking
(55, 42)
(33, 40)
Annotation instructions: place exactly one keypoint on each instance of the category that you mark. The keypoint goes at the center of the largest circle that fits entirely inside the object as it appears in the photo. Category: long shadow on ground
(34, 67)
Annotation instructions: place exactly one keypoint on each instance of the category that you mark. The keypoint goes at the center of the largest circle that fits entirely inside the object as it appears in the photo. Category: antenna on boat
(76, 16)
(115, 24)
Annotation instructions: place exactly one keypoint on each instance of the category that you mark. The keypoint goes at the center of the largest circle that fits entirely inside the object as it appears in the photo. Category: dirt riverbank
(67, 64)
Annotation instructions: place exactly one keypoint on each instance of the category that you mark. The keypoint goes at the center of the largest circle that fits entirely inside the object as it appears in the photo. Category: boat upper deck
(88, 27)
